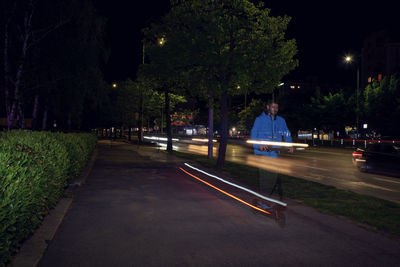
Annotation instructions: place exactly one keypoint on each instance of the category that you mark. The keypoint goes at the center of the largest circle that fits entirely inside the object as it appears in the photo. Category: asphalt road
(138, 209)
(330, 166)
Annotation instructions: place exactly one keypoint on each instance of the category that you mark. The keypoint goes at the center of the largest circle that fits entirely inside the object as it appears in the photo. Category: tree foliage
(125, 104)
(382, 105)
(332, 111)
(248, 115)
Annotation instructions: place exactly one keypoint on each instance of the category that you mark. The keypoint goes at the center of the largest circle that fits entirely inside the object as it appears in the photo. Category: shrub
(35, 167)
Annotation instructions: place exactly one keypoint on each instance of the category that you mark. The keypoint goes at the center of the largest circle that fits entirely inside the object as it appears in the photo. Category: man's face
(273, 109)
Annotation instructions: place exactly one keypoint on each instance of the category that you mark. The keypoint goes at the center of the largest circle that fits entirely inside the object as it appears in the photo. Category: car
(381, 158)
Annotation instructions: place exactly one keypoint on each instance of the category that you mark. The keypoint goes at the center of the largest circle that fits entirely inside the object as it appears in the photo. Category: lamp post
(273, 94)
(349, 59)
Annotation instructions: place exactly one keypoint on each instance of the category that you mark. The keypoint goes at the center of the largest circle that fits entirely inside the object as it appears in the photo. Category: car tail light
(357, 154)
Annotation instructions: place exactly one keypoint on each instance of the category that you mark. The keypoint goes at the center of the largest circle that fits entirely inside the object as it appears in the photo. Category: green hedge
(35, 167)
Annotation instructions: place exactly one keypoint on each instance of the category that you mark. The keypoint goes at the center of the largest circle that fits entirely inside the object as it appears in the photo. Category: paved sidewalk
(138, 209)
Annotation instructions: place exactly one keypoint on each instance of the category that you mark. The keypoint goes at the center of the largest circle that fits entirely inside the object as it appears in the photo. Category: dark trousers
(269, 182)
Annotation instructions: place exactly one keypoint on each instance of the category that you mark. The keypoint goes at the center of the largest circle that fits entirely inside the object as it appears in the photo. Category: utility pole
(357, 93)
(349, 59)
(140, 135)
(210, 125)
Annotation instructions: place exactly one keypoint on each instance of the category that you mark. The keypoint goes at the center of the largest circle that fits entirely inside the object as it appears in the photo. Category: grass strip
(377, 214)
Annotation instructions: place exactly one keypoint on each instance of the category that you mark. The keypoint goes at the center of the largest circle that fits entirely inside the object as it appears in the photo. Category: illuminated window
(369, 79)
(292, 86)
(379, 77)
(298, 86)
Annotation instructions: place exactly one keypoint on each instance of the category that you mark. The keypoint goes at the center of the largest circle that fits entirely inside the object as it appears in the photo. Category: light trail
(202, 140)
(272, 143)
(238, 186)
(165, 146)
(224, 192)
(159, 138)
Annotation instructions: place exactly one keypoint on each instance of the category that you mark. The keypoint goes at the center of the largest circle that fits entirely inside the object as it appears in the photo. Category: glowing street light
(114, 85)
(348, 59)
(161, 41)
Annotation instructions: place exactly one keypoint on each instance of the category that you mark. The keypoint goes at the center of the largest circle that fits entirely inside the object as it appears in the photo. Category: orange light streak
(226, 193)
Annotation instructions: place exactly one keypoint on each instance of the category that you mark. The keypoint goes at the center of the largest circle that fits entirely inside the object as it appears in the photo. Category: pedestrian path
(137, 209)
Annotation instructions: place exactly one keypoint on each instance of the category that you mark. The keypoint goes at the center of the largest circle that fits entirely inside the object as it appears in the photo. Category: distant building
(290, 86)
(380, 57)
(309, 85)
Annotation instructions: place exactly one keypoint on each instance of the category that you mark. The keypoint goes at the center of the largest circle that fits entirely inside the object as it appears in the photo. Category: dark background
(324, 30)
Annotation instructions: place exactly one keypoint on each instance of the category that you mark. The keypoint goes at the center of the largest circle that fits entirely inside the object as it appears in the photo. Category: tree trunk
(140, 123)
(18, 77)
(162, 121)
(44, 122)
(21, 117)
(224, 131)
(168, 120)
(210, 125)
(6, 73)
(69, 121)
(17, 98)
(10, 116)
(35, 112)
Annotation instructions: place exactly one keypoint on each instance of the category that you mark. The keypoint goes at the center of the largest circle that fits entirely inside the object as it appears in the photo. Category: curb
(33, 249)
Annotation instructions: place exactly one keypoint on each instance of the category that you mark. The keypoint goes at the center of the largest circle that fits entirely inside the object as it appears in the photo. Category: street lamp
(114, 85)
(349, 60)
(161, 41)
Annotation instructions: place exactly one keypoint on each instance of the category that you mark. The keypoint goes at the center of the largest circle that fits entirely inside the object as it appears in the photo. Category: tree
(52, 51)
(23, 29)
(337, 111)
(234, 45)
(160, 72)
(134, 100)
(127, 99)
(73, 59)
(382, 105)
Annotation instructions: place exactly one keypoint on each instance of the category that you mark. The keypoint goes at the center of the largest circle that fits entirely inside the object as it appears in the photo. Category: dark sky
(324, 30)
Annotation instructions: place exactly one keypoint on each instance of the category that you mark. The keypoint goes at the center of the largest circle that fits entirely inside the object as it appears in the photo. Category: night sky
(324, 30)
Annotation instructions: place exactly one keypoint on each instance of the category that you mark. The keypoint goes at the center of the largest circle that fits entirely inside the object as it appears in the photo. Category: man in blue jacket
(270, 127)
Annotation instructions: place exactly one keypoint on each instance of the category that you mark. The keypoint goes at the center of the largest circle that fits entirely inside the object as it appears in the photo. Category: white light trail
(159, 138)
(165, 146)
(202, 140)
(272, 143)
(238, 186)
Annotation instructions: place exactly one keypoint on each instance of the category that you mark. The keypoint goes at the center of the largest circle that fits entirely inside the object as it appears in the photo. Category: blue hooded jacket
(265, 128)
